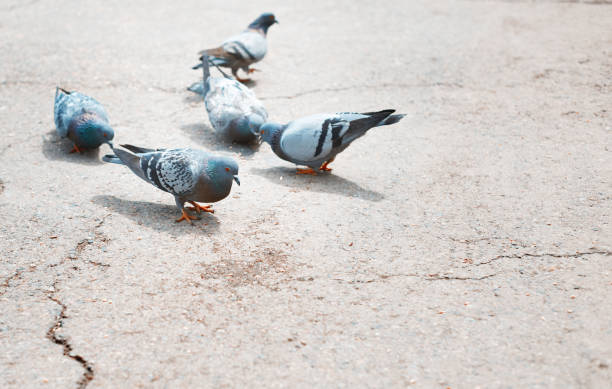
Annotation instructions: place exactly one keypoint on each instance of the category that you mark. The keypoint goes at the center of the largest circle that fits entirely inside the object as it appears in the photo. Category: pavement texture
(467, 246)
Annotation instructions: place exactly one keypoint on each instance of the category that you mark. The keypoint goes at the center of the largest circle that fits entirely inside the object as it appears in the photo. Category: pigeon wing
(250, 46)
(71, 105)
(312, 138)
(172, 171)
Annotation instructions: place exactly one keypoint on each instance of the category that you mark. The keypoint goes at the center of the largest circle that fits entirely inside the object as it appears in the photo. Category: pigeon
(244, 49)
(82, 119)
(315, 140)
(188, 174)
(233, 109)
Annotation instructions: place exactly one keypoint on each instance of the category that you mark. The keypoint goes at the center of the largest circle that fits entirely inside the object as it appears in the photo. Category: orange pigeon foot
(186, 216)
(306, 171)
(324, 167)
(198, 208)
(75, 149)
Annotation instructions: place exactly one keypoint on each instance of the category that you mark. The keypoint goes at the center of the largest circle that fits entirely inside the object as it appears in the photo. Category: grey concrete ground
(467, 246)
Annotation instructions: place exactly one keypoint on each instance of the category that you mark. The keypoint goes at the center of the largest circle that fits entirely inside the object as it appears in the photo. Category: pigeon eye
(262, 132)
(227, 169)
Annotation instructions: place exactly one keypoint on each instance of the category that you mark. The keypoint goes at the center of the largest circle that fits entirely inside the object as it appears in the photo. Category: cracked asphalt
(467, 246)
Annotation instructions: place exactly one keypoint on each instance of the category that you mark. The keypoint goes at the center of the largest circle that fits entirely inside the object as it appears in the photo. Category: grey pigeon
(244, 49)
(233, 109)
(190, 175)
(315, 140)
(81, 119)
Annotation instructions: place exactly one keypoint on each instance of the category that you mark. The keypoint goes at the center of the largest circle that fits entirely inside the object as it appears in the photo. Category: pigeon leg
(251, 70)
(185, 216)
(306, 171)
(324, 166)
(242, 80)
(75, 149)
(198, 208)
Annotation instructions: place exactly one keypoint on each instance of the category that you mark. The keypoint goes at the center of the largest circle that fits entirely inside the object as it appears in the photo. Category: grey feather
(233, 110)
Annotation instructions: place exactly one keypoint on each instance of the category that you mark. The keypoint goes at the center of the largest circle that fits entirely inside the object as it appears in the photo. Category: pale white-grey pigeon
(244, 49)
(233, 109)
(190, 175)
(315, 140)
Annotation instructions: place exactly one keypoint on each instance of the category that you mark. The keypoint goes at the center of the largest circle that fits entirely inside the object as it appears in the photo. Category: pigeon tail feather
(392, 119)
(112, 158)
(137, 149)
(132, 161)
(59, 88)
(205, 73)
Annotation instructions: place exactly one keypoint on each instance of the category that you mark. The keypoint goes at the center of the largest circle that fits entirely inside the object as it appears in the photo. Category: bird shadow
(160, 217)
(55, 148)
(206, 136)
(324, 183)
(193, 98)
(251, 83)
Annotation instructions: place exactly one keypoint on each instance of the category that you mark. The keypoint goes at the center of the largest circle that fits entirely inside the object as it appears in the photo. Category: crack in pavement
(437, 277)
(88, 374)
(103, 85)
(376, 86)
(368, 281)
(6, 284)
(83, 243)
(173, 90)
(577, 254)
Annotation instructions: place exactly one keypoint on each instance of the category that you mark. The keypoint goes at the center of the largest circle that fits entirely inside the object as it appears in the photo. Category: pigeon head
(255, 123)
(268, 130)
(246, 128)
(92, 133)
(224, 169)
(263, 22)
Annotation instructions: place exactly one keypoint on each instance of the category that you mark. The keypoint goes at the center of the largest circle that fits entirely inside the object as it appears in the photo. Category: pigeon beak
(276, 21)
(237, 180)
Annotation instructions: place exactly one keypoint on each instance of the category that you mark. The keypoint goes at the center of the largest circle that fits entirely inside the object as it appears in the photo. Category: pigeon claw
(324, 167)
(253, 70)
(75, 149)
(186, 216)
(198, 208)
(306, 171)
(243, 80)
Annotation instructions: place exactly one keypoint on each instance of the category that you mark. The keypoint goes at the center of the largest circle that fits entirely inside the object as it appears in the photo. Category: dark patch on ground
(55, 148)
(260, 267)
(160, 217)
(324, 182)
(205, 135)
